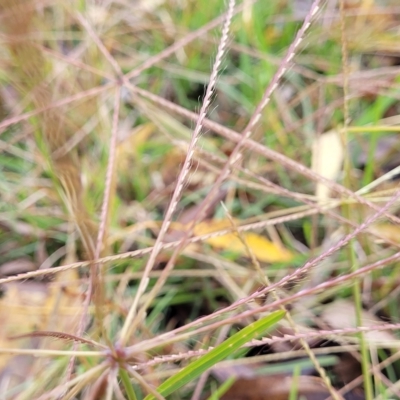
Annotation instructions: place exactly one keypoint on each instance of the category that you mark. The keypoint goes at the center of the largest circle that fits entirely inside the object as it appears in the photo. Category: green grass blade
(293, 395)
(223, 388)
(229, 346)
(130, 392)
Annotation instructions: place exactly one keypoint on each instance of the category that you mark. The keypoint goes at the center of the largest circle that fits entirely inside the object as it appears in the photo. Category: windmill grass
(88, 89)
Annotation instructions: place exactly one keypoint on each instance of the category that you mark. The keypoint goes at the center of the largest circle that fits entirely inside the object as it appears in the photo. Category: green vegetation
(149, 249)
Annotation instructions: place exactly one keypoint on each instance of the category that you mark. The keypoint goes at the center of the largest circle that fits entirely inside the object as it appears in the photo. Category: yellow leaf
(262, 248)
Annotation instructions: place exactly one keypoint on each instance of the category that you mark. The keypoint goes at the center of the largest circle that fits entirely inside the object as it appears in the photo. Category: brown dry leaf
(341, 315)
(263, 249)
(347, 369)
(31, 306)
(327, 158)
(276, 387)
(171, 166)
(387, 231)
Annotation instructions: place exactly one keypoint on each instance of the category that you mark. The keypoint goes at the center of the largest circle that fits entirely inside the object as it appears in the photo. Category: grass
(129, 131)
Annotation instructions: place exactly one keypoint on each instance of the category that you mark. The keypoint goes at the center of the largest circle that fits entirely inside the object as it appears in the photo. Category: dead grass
(119, 265)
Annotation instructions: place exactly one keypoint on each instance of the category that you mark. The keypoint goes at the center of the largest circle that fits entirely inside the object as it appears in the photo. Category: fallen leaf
(263, 249)
(341, 314)
(276, 387)
(327, 158)
(386, 231)
(31, 306)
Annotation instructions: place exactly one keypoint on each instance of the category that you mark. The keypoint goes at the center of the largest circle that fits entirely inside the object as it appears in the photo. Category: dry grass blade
(175, 335)
(269, 153)
(226, 170)
(52, 132)
(58, 335)
(129, 324)
(328, 334)
(120, 272)
(57, 104)
(181, 43)
(100, 45)
(271, 221)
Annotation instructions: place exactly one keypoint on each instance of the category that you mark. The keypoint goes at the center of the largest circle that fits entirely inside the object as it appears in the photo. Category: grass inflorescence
(199, 199)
